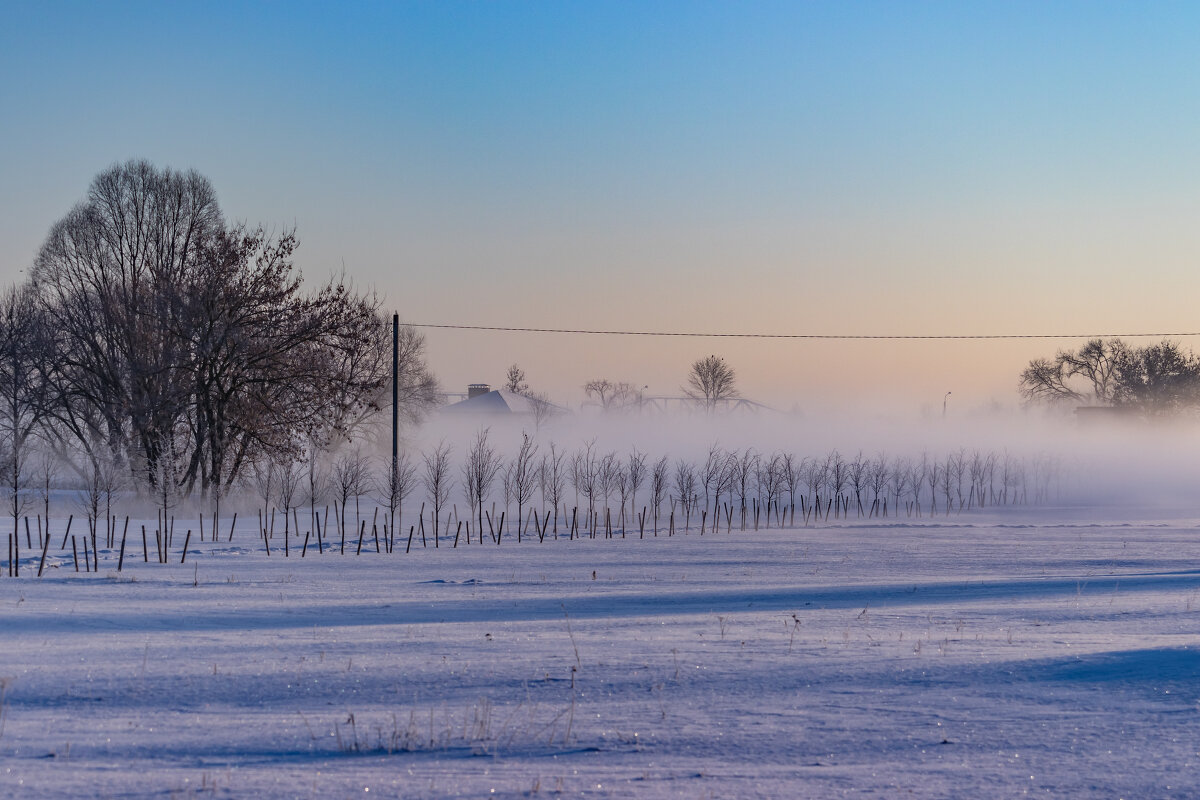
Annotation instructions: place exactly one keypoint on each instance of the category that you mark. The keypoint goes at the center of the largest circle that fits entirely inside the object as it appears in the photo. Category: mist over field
(789, 400)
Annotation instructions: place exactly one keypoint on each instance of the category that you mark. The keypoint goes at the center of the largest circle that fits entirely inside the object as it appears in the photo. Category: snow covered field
(1046, 652)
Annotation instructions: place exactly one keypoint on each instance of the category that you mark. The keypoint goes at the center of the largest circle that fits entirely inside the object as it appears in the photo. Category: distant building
(481, 400)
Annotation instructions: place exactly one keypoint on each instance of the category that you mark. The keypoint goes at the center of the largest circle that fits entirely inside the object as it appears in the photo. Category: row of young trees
(1154, 381)
(588, 489)
(154, 338)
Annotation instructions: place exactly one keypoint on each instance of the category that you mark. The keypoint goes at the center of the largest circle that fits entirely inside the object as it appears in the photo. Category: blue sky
(783, 167)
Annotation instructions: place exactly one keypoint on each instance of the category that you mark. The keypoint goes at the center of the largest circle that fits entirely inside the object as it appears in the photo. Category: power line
(835, 336)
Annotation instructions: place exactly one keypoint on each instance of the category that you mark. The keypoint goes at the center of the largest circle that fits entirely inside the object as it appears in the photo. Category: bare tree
(437, 482)
(553, 478)
(621, 486)
(912, 478)
(169, 324)
(398, 484)
(167, 468)
(711, 380)
(613, 395)
(542, 409)
(659, 485)
(901, 474)
(351, 479)
(24, 351)
(46, 472)
(837, 475)
(727, 475)
(264, 480)
(637, 476)
(744, 471)
(771, 479)
(877, 474)
(932, 475)
(814, 478)
(1050, 380)
(523, 478)
(584, 476)
(606, 477)
(685, 489)
(291, 478)
(1158, 380)
(111, 277)
(793, 469)
(947, 483)
(710, 479)
(316, 484)
(958, 469)
(416, 386)
(858, 469)
(514, 381)
(479, 474)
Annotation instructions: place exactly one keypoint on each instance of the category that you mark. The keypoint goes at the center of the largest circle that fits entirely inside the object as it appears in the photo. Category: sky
(790, 168)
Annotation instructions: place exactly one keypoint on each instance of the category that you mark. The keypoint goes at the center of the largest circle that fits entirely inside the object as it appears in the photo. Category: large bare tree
(710, 381)
(171, 326)
(1087, 375)
(24, 353)
(1159, 379)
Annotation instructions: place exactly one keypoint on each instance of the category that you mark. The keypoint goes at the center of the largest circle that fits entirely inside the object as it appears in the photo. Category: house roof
(497, 401)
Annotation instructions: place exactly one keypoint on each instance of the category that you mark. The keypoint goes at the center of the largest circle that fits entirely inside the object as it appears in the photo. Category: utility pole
(395, 393)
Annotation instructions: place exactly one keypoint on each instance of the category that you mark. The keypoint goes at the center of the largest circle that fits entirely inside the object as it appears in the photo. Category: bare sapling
(746, 466)
(659, 482)
(521, 478)
(398, 484)
(685, 489)
(636, 469)
(291, 477)
(710, 478)
(437, 481)
(792, 469)
(315, 486)
(553, 478)
(621, 487)
(584, 477)
(858, 470)
(480, 469)
(606, 482)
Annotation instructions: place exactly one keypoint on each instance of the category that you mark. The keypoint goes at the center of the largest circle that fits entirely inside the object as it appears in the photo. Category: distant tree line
(1154, 381)
(711, 381)
(156, 339)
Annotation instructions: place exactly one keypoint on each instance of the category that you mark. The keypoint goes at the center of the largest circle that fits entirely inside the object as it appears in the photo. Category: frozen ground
(1040, 652)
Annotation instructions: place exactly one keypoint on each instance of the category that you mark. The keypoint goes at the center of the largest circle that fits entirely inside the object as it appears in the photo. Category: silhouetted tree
(24, 392)
(514, 381)
(479, 474)
(613, 395)
(711, 380)
(437, 482)
(169, 326)
(1088, 375)
(1158, 380)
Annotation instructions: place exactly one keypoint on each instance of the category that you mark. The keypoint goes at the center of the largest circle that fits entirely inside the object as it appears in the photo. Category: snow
(1043, 651)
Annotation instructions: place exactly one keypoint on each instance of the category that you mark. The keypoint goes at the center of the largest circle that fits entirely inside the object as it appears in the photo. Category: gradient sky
(862, 168)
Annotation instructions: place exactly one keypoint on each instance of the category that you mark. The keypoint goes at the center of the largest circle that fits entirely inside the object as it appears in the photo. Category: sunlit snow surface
(1045, 652)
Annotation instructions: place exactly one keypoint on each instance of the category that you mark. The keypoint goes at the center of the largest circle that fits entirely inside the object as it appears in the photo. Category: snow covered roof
(497, 401)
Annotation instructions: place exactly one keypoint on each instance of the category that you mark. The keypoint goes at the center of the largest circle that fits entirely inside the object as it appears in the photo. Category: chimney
(476, 389)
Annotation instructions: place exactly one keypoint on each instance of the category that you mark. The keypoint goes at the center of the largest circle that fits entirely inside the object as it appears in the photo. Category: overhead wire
(826, 336)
